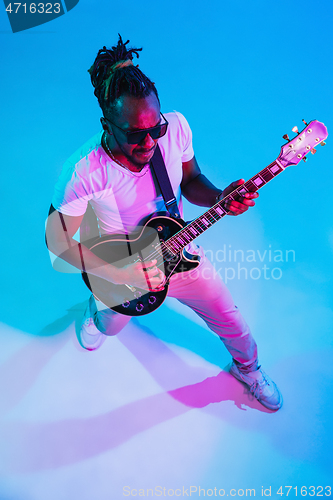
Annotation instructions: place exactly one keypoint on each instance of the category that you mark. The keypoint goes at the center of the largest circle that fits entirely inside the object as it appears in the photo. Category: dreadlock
(113, 75)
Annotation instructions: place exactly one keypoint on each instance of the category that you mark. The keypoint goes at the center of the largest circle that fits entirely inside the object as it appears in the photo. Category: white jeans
(203, 291)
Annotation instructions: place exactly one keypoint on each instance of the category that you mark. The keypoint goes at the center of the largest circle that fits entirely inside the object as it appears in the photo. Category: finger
(155, 283)
(149, 265)
(238, 211)
(160, 277)
(155, 276)
(233, 186)
(238, 183)
(160, 285)
(244, 201)
(247, 202)
(253, 194)
(235, 206)
(151, 274)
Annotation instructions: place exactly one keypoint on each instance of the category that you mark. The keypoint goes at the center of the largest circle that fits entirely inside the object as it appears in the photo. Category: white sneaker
(90, 337)
(261, 386)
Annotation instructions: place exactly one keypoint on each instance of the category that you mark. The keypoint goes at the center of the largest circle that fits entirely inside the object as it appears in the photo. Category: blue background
(243, 73)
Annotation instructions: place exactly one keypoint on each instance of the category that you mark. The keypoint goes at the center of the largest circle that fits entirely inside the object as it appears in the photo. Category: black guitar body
(144, 244)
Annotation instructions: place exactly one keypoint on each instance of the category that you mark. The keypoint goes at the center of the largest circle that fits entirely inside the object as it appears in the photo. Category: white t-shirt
(121, 198)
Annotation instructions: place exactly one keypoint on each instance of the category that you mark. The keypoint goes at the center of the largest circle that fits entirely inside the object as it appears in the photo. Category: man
(113, 174)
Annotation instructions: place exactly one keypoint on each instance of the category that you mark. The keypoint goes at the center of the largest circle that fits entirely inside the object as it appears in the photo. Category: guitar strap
(159, 169)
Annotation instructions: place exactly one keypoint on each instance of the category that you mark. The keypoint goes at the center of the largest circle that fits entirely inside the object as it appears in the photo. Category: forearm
(200, 191)
(82, 258)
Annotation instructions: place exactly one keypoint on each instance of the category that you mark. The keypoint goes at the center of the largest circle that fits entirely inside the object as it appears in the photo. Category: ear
(106, 126)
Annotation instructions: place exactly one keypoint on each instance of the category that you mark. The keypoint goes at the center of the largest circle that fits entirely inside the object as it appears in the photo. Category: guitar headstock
(296, 149)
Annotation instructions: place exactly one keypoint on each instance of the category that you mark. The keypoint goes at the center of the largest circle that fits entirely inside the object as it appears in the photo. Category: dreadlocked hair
(113, 75)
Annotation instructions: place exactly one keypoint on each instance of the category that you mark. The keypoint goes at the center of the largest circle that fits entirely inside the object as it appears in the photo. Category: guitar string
(184, 231)
(215, 217)
(208, 214)
(202, 227)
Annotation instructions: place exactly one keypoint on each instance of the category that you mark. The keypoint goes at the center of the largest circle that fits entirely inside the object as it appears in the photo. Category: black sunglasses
(137, 136)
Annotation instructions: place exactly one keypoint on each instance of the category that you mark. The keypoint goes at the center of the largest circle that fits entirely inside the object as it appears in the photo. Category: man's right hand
(145, 275)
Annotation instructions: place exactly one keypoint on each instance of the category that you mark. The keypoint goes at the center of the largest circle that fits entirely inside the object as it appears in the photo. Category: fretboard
(198, 226)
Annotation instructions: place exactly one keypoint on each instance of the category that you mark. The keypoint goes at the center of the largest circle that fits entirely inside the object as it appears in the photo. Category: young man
(113, 174)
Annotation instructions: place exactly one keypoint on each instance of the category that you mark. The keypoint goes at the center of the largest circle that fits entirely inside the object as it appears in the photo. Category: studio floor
(154, 412)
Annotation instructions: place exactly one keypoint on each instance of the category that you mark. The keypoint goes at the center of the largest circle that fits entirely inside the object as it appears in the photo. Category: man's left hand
(243, 202)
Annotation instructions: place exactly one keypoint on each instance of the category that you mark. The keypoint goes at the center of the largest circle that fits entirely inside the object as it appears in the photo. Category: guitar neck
(198, 226)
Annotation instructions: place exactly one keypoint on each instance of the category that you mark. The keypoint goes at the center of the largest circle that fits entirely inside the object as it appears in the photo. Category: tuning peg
(286, 137)
(304, 122)
(323, 143)
(295, 129)
(305, 158)
(313, 151)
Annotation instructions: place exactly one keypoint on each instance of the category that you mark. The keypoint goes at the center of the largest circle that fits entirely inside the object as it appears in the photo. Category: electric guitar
(164, 238)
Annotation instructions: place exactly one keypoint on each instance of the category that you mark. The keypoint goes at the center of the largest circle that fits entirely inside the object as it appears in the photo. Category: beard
(135, 162)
